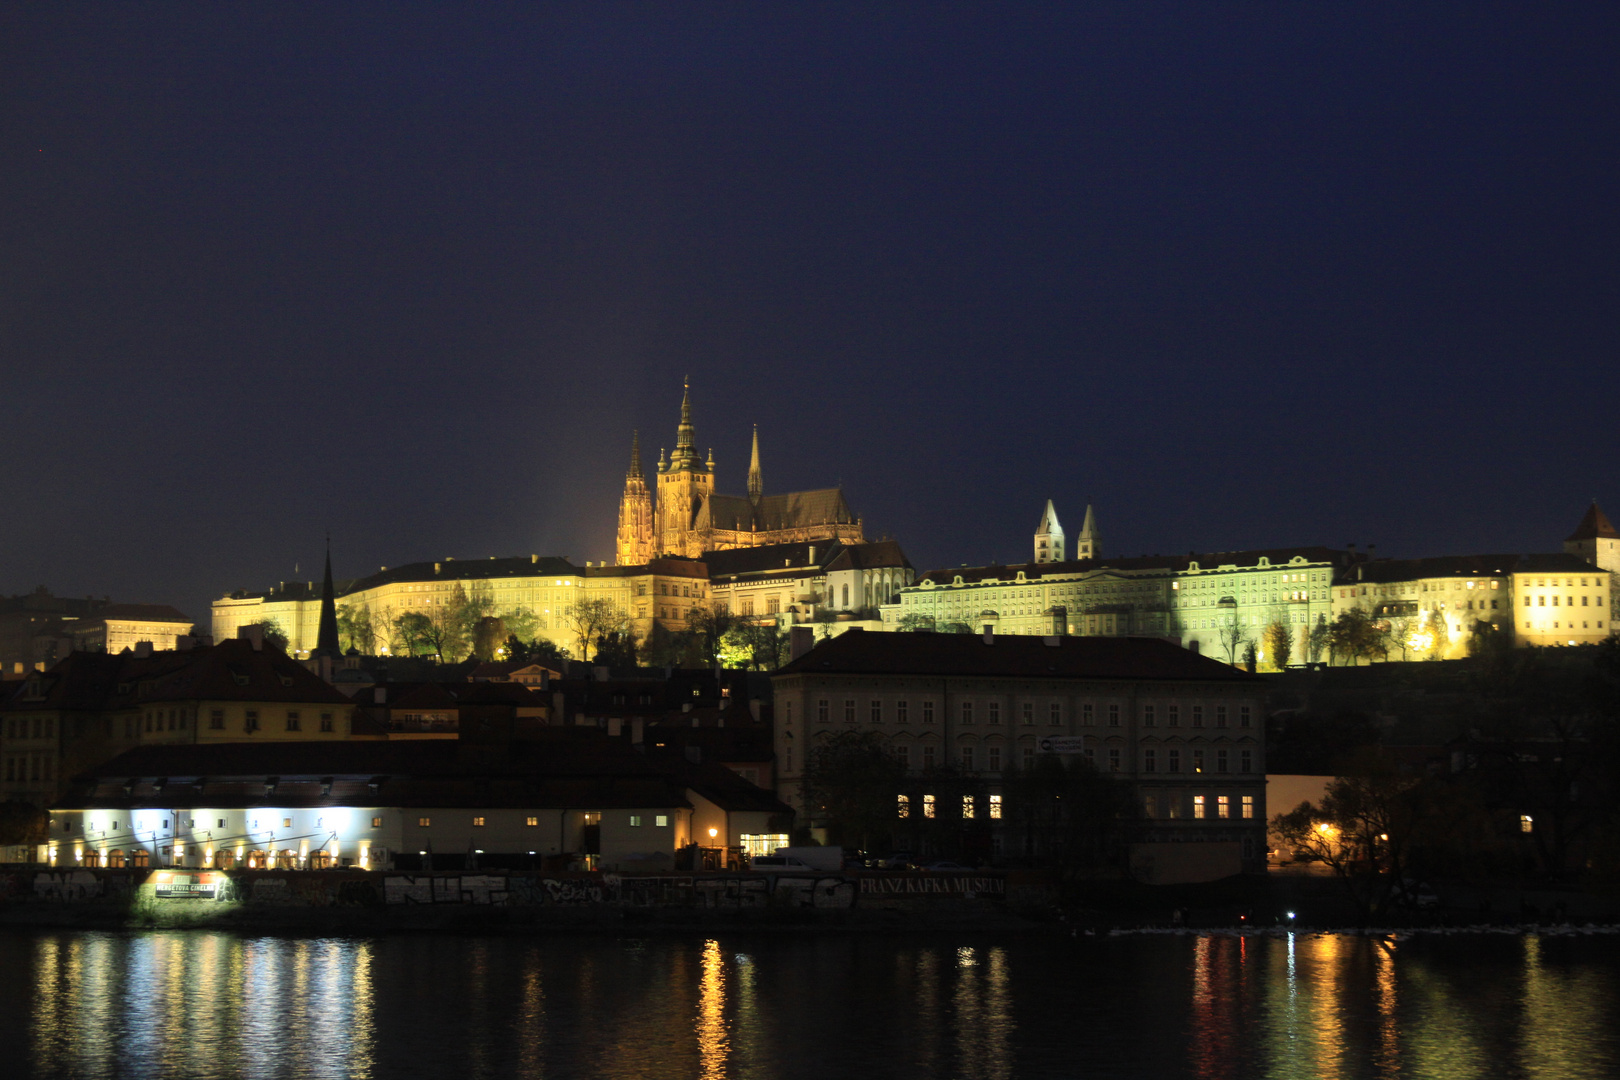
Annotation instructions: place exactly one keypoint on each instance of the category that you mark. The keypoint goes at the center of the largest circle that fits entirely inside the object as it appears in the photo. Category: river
(210, 1004)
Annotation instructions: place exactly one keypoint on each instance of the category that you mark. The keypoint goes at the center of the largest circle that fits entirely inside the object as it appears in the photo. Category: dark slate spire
(756, 477)
(326, 642)
(635, 457)
(1593, 525)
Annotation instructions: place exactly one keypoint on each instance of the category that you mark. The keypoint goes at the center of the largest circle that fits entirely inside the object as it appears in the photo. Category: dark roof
(772, 558)
(881, 653)
(793, 510)
(560, 767)
(140, 612)
(692, 568)
(229, 671)
(1384, 571)
(463, 570)
(1593, 524)
(1208, 560)
(876, 555)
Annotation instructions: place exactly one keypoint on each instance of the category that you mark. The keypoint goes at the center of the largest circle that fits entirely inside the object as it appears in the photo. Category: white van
(781, 864)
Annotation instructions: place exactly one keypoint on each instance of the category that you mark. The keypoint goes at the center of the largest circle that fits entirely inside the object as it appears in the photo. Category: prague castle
(689, 518)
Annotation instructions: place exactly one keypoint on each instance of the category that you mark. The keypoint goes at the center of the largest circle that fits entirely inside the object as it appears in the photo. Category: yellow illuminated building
(688, 518)
(658, 593)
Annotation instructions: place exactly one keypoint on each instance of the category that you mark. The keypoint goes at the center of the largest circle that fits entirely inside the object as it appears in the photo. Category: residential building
(564, 797)
(92, 706)
(1596, 541)
(1185, 732)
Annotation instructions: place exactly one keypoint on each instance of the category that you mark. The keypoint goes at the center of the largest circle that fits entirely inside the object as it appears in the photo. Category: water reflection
(1218, 1007)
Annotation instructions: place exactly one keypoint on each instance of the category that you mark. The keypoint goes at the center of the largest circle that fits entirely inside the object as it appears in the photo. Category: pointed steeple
(683, 453)
(756, 478)
(1088, 545)
(635, 458)
(326, 639)
(1049, 537)
(1593, 525)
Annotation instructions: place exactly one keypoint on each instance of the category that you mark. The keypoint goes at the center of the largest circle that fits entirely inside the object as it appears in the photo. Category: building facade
(1184, 732)
(1212, 603)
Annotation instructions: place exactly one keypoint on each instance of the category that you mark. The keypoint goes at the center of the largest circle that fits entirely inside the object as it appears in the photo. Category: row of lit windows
(1558, 624)
(660, 821)
(1172, 805)
(970, 806)
(968, 759)
(876, 711)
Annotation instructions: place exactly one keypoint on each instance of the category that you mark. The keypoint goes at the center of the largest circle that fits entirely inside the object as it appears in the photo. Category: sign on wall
(1064, 744)
(181, 885)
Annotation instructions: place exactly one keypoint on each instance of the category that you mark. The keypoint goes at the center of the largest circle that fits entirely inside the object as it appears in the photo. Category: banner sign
(180, 885)
(1064, 744)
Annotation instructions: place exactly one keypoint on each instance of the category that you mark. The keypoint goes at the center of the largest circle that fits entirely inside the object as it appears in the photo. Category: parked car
(946, 866)
(900, 860)
(1409, 892)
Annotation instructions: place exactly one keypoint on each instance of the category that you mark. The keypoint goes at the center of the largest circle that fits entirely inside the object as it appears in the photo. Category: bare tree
(1232, 637)
(590, 619)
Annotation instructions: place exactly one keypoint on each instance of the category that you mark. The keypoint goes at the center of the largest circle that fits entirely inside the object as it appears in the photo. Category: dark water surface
(204, 1004)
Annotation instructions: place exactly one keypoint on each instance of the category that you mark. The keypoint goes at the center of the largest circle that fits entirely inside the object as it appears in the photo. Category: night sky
(1242, 275)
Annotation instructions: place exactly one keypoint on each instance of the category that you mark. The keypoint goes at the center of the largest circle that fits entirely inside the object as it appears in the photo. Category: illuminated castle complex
(689, 519)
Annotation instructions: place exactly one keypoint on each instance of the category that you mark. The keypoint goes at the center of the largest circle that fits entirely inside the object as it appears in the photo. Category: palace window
(1113, 760)
(1197, 761)
(967, 712)
(928, 712)
(822, 707)
(1246, 761)
(478, 822)
(928, 757)
(1087, 717)
(1113, 716)
(1220, 761)
(877, 711)
(1054, 713)
(967, 758)
(1198, 807)
(1223, 806)
(1027, 712)
(993, 712)
(1149, 716)
(928, 806)
(1220, 716)
(293, 720)
(849, 710)
(967, 807)
(995, 807)
(1197, 716)
(1150, 761)
(1173, 760)
(1248, 806)
(1245, 719)
(900, 711)
(1173, 714)
(903, 806)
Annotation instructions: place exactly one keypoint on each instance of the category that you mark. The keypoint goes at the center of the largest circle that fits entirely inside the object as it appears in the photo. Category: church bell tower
(684, 487)
(636, 546)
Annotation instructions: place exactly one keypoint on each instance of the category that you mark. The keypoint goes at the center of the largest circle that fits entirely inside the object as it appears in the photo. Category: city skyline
(1214, 273)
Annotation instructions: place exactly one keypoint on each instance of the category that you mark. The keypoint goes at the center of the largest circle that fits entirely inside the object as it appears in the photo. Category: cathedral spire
(683, 453)
(635, 457)
(326, 639)
(756, 478)
(1049, 537)
(1088, 545)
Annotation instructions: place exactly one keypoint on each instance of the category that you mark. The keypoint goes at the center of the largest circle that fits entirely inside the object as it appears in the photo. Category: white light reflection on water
(713, 1042)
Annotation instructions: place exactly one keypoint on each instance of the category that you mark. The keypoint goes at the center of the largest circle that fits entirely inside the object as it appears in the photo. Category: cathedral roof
(1049, 522)
(1209, 560)
(793, 510)
(873, 556)
(771, 557)
(1593, 525)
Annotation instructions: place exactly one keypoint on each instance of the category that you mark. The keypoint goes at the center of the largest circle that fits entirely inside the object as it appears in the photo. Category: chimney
(801, 639)
(812, 556)
(184, 643)
(143, 649)
(254, 633)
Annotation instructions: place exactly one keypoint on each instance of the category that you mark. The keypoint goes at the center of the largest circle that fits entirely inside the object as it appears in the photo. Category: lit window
(1198, 806)
(928, 806)
(995, 807)
(1527, 823)
(1223, 806)
(423, 822)
(376, 823)
(635, 821)
(478, 822)
(661, 821)
(903, 806)
(1248, 806)
(286, 823)
(531, 821)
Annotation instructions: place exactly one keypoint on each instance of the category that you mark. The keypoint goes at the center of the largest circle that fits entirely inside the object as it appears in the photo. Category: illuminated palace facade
(687, 517)
(656, 593)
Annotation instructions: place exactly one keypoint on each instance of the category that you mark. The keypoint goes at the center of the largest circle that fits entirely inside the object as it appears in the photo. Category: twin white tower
(1049, 537)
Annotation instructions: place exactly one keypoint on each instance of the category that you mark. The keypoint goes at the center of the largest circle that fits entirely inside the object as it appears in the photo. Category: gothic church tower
(1088, 545)
(1049, 537)
(636, 513)
(684, 487)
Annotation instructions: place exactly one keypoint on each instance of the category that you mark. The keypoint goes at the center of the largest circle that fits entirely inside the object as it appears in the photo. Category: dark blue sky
(1242, 275)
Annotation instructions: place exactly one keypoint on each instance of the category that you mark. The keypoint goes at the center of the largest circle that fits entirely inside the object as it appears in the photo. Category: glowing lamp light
(713, 833)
